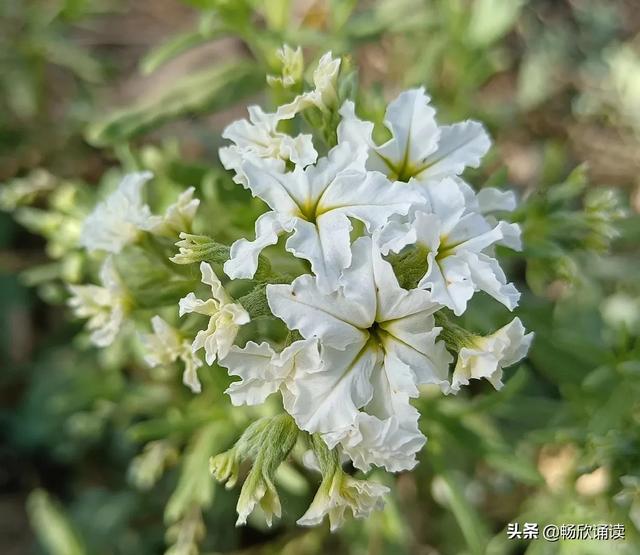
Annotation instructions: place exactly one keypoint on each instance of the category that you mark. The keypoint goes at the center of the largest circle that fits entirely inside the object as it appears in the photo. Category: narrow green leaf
(195, 486)
(52, 526)
(207, 91)
(175, 46)
(515, 466)
(277, 13)
(492, 19)
(471, 524)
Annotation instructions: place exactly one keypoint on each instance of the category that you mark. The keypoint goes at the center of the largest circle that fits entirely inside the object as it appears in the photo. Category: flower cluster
(395, 243)
(368, 343)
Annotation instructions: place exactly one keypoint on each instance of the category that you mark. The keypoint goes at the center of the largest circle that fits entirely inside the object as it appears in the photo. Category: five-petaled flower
(315, 204)
(225, 317)
(419, 149)
(119, 219)
(457, 242)
(105, 306)
(378, 343)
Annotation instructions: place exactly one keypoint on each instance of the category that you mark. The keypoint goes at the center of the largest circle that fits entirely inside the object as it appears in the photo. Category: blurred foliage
(125, 448)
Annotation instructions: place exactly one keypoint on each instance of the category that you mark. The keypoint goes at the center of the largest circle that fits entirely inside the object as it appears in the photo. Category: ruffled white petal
(449, 282)
(243, 259)
(354, 131)
(414, 130)
(263, 371)
(491, 199)
(460, 146)
(333, 318)
(487, 275)
(325, 245)
(328, 399)
(389, 442)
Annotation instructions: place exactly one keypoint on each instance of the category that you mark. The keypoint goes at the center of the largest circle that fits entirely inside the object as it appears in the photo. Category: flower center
(447, 248)
(308, 211)
(376, 335)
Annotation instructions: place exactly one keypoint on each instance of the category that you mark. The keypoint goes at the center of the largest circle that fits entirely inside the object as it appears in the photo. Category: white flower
(165, 345)
(457, 242)
(292, 67)
(339, 493)
(259, 138)
(315, 204)
(225, 317)
(177, 218)
(264, 371)
(419, 148)
(378, 343)
(120, 218)
(105, 306)
(485, 357)
(323, 96)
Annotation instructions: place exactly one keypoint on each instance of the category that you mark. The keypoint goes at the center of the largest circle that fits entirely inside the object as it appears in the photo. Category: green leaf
(470, 522)
(277, 12)
(202, 4)
(517, 467)
(195, 486)
(52, 526)
(174, 47)
(491, 19)
(206, 91)
(341, 11)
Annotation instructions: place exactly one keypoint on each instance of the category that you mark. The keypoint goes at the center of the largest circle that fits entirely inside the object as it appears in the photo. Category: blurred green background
(87, 86)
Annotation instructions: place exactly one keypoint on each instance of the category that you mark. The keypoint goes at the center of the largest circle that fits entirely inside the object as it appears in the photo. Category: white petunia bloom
(264, 371)
(177, 218)
(120, 218)
(458, 243)
(323, 96)
(166, 345)
(259, 138)
(340, 493)
(225, 317)
(419, 148)
(485, 357)
(105, 306)
(315, 205)
(378, 343)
